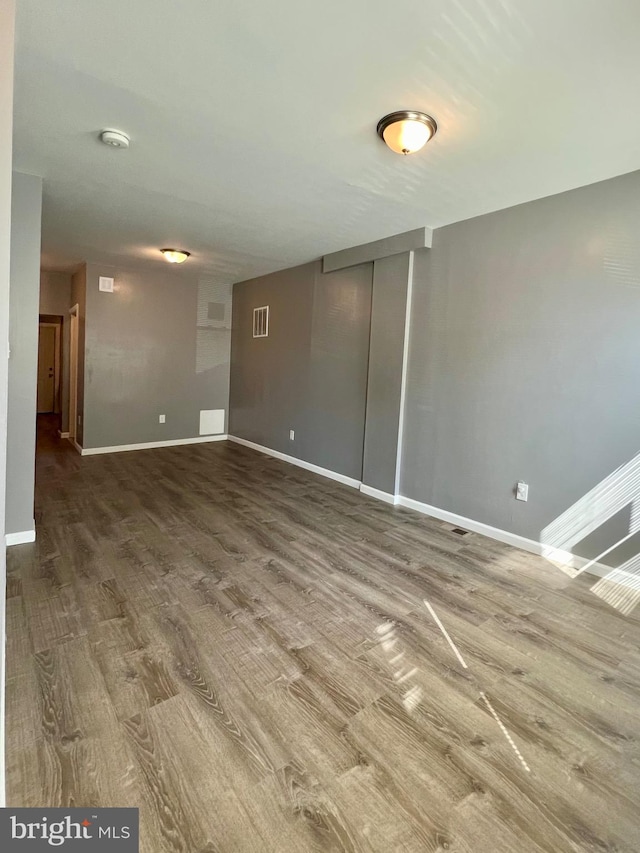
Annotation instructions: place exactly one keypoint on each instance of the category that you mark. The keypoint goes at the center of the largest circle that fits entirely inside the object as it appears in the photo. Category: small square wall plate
(211, 421)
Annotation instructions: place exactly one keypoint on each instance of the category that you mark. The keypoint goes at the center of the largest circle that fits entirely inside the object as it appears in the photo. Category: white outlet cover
(105, 284)
(212, 421)
(162, 419)
(292, 435)
(522, 491)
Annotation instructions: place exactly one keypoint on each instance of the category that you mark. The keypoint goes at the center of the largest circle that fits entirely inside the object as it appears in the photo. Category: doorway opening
(49, 395)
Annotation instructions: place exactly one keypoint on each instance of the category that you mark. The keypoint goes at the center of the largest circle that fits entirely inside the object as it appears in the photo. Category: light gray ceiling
(253, 124)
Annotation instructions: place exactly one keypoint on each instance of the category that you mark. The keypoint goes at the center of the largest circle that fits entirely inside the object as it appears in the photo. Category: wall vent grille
(261, 322)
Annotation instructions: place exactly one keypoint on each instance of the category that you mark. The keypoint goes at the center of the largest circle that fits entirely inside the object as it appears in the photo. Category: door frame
(73, 371)
(57, 360)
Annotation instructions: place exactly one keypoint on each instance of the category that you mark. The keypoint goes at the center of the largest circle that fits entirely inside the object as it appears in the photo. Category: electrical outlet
(522, 491)
(162, 419)
(292, 435)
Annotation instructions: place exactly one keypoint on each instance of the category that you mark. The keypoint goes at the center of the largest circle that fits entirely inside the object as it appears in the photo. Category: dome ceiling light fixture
(114, 138)
(175, 256)
(406, 131)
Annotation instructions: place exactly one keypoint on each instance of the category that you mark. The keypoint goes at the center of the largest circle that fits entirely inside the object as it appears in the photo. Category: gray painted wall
(388, 318)
(26, 213)
(154, 346)
(309, 375)
(55, 298)
(525, 357)
(337, 380)
(269, 375)
(7, 10)
(524, 363)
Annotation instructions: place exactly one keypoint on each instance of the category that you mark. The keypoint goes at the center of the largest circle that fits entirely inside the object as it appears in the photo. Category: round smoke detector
(114, 138)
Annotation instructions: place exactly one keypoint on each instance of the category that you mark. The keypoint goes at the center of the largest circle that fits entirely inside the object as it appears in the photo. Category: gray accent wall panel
(151, 350)
(525, 357)
(26, 212)
(388, 315)
(337, 384)
(309, 375)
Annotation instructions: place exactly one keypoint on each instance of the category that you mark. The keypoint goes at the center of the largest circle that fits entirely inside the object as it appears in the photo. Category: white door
(46, 368)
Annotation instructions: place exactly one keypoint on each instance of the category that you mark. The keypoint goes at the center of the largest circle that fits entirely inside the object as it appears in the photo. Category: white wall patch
(211, 421)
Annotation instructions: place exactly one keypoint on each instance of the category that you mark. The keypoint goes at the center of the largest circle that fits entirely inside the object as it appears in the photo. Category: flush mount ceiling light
(406, 131)
(175, 256)
(114, 138)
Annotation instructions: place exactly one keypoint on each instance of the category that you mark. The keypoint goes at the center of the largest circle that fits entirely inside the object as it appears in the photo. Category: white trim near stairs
(21, 538)
(293, 460)
(147, 445)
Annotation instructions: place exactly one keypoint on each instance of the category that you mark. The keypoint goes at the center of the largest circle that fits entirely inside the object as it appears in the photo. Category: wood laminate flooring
(243, 650)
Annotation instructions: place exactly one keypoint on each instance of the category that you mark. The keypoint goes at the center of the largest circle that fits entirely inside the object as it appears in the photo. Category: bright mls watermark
(36, 830)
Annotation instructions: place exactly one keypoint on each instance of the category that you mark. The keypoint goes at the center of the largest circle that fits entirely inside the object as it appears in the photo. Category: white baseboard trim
(21, 538)
(553, 555)
(379, 495)
(63, 434)
(475, 526)
(147, 445)
(77, 446)
(572, 561)
(308, 466)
